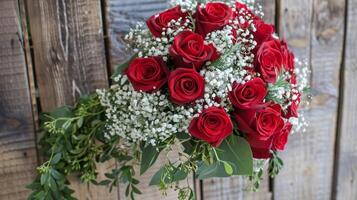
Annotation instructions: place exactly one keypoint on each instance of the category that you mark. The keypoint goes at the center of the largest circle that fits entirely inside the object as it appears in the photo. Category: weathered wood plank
(236, 187)
(123, 15)
(18, 158)
(347, 146)
(314, 30)
(69, 60)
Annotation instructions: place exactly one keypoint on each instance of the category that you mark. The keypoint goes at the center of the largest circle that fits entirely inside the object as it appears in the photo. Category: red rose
(263, 32)
(212, 17)
(249, 95)
(156, 23)
(269, 60)
(293, 109)
(282, 138)
(188, 50)
(185, 86)
(288, 62)
(259, 127)
(147, 74)
(212, 126)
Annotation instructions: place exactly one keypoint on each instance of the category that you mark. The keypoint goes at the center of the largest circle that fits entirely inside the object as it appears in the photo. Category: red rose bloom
(269, 60)
(185, 86)
(263, 32)
(188, 50)
(281, 139)
(156, 23)
(259, 127)
(249, 95)
(288, 62)
(213, 125)
(212, 17)
(147, 74)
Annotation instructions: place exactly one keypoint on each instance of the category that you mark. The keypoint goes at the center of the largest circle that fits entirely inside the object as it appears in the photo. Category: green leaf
(123, 66)
(236, 150)
(135, 189)
(148, 157)
(104, 182)
(55, 174)
(44, 178)
(80, 122)
(56, 158)
(155, 180)
(213, 170)
(52, 184)
(177, 174)
(64, 111)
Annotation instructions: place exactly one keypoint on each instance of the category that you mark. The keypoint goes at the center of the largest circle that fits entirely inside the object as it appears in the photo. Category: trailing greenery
(73, 142)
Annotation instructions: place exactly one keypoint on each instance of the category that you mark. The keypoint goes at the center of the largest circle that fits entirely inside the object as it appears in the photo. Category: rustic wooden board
(70, 61)
(123, 15)
(236, 187)
(18, 158)
(347, 147)
(314, 30)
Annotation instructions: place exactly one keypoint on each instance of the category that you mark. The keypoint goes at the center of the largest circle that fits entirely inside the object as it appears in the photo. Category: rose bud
(249, 95)
(189, 50)
(157, 23)
(147, 74)
(213, 125)
(212, 17)
(185, 86)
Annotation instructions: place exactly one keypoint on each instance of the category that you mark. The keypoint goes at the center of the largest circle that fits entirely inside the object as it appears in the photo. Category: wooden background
(53, 51)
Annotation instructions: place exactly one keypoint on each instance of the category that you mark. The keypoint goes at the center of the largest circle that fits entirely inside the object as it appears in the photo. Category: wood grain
(123, 15)
(69, 59)
(314, 30)
(18, 159)
(347, 147)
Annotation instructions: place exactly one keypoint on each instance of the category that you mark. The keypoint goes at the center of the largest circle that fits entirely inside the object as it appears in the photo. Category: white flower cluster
(186, 5)
(219, 82)
(140, 39)
(137, 116)
(222, 40)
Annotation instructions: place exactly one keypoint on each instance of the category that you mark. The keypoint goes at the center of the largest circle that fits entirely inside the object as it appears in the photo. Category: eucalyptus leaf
(215, 169)
(236, 150)
(148, 157)
(56, 158)
(177, 174)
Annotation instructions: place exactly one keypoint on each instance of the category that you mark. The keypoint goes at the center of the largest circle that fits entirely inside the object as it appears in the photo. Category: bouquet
(210, 82)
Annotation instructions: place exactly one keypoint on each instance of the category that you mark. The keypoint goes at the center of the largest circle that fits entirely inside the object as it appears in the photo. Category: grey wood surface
(314, 30)
(346, 160)
(69, 58)
(63, 55)
(18, 159)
